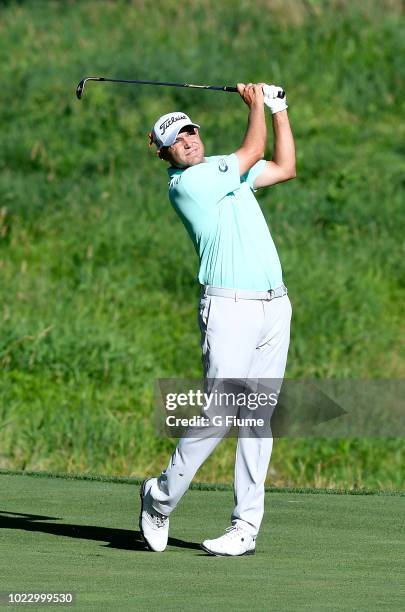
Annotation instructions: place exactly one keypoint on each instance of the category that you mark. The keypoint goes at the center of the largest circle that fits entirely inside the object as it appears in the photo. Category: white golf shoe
(236, 541)
(154, 526)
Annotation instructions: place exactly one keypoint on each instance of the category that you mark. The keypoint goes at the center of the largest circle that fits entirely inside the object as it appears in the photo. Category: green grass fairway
(315, 551)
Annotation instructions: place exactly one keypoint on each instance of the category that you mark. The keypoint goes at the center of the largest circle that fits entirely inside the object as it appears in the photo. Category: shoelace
(234, 531)
(159, 519)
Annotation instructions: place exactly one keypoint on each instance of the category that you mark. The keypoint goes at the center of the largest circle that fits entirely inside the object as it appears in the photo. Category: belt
(241, 294)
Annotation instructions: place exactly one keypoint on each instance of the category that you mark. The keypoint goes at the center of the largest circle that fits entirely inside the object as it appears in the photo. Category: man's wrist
(256, 106)
(280, 115)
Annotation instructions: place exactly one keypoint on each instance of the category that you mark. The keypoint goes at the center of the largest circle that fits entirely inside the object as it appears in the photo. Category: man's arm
(282, 166)
(254, 142)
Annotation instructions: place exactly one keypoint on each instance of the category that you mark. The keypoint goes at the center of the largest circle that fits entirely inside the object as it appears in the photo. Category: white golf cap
(167, 127)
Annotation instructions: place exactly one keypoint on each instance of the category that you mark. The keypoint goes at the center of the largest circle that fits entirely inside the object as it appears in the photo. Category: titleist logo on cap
(163, 126)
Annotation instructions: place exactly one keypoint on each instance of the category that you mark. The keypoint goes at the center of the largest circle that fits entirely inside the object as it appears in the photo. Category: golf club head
(80, 88)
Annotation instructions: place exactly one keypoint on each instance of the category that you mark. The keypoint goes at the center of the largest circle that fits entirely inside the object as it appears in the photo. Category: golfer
(244, 311)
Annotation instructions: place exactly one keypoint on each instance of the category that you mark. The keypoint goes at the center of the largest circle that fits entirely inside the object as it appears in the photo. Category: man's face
(187, 150)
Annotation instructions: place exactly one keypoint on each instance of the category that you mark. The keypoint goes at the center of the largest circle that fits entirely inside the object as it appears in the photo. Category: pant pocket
(204, 310)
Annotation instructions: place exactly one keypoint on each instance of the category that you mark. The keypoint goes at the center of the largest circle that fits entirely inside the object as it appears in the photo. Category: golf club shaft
(81, 85)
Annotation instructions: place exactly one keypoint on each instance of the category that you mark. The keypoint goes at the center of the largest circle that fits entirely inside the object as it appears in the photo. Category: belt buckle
(271, 293)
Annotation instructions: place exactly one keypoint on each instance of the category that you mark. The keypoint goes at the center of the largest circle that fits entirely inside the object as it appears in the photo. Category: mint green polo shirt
(225, 222)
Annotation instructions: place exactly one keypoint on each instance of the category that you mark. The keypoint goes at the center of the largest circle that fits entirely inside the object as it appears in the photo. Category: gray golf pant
(245, 340)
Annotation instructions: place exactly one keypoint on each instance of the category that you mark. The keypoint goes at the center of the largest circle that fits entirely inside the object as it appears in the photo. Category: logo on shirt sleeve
(222, 165)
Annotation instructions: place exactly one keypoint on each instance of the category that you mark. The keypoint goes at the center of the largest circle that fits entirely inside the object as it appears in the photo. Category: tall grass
(98, 292)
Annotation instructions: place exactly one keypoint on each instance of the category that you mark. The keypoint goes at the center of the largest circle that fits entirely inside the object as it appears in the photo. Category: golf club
(81, 85)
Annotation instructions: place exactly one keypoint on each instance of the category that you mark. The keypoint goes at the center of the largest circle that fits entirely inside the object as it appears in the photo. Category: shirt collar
(172, 171)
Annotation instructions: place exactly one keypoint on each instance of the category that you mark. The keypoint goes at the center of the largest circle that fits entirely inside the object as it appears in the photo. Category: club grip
(281, 94)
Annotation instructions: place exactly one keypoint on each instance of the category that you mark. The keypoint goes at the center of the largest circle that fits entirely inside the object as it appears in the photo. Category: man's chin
(193, 161)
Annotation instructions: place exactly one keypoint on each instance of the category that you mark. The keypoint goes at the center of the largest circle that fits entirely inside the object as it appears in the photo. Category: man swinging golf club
(244, 311)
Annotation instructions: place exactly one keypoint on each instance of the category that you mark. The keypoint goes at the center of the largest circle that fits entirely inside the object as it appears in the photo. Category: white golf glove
(270, 98)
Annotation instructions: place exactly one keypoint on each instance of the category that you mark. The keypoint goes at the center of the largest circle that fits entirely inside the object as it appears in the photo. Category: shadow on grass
(124, 539)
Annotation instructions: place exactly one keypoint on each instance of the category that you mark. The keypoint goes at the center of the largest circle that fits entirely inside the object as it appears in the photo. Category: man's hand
(251, 94)
(270, 98)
